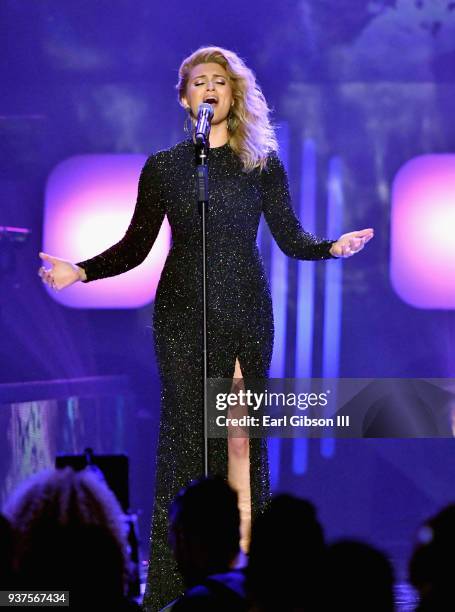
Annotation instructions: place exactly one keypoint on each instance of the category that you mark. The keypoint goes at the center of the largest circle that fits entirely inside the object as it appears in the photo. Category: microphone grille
(205, 107)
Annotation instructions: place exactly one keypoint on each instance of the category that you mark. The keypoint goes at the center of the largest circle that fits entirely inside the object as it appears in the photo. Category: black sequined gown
(240, 319)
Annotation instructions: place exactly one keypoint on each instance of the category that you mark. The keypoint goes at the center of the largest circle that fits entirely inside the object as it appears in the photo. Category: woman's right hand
(61, 274)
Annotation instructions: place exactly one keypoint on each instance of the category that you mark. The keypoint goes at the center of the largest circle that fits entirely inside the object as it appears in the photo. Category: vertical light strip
(333, 288)
(279, 290)
(305, 291)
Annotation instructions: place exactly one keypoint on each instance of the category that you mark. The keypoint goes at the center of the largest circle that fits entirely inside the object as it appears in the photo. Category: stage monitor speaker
(114, 469)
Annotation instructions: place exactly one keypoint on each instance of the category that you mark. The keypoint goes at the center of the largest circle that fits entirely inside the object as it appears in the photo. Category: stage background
(358, 89)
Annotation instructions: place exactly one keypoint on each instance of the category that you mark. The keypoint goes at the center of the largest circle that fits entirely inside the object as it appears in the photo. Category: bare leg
(239, 469)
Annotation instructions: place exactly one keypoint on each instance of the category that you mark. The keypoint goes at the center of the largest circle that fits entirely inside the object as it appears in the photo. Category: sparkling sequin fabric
(240, 320)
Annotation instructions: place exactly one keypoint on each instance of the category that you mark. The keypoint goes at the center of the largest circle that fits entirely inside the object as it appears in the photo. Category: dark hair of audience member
(431, 564)
(286, 554)
(6, 553)
(360, 578)
(204, 529)
(70, 536)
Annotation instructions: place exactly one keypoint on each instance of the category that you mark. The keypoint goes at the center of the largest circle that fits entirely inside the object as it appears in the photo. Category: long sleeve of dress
(140, 236)
(292, 239)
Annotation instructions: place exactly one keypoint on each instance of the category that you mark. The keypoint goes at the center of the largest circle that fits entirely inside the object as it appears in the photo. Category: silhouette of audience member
(6, 553)
(70, 536)
(357, 577)
(285, 569)
(204, 534)
(431, 564)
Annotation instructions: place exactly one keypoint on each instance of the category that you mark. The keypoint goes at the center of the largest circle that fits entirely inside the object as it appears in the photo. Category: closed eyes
(203, 82)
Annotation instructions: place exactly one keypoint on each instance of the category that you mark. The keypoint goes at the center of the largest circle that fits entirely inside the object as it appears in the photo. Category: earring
(230, 122)
(188, 129)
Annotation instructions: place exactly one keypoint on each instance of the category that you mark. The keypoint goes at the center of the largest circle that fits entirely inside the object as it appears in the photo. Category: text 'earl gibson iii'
(294, 421)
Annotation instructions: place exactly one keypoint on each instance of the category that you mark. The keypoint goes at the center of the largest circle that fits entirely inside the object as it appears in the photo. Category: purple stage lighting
(422, 260)
(89, 202)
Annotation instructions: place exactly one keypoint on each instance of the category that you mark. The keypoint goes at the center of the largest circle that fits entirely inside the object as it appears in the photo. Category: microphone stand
(201, 150)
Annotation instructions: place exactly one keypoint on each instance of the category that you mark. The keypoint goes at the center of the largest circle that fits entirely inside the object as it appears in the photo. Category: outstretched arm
(140, 236)
(129, 252)
(292, 239)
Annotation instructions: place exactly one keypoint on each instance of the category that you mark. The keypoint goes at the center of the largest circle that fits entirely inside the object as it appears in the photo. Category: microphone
(204, 117)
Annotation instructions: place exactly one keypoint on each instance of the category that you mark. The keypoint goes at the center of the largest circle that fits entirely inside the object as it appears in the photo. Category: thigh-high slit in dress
(240, 318)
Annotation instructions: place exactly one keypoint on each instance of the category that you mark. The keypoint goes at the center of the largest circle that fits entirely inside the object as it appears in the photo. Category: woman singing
(247, 179)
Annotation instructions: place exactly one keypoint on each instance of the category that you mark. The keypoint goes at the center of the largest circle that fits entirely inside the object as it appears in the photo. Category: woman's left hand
(351, 243)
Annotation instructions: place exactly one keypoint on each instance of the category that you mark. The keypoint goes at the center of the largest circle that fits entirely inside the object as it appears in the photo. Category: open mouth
(211, 100)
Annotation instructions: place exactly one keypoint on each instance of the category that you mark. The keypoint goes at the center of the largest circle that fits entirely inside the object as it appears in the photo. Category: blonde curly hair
(252, 135)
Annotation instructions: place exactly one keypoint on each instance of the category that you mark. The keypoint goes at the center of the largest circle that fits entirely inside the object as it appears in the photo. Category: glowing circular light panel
(89, 203)
(422, 258)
